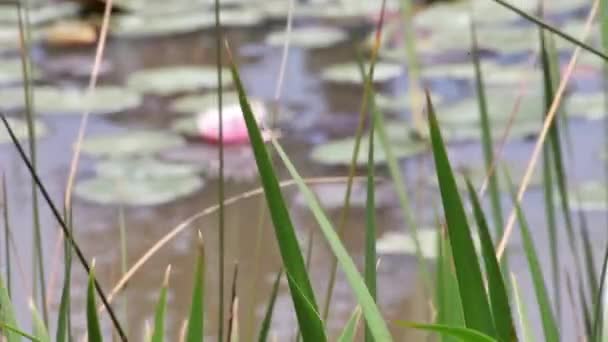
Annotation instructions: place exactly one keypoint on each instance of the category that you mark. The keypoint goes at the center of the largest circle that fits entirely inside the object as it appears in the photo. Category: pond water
(319, 112)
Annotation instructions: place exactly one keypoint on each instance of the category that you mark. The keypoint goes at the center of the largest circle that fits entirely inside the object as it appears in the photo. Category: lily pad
(350, 73)
(177, 79)
(11, 71)
(141, 26)
(477, 176)
(130, 143)
(39, 13)
(52, 100)
(339, 152)
(331, 196)
(494, 74)
(308, 37)
(589, 106)
(198, 103)
(592, 197)
(19, 127)
(396, 243)
(400, 103)
(143, 168)
(137, 191)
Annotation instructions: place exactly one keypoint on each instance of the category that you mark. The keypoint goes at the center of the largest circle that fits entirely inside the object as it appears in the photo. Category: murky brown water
(320, 112)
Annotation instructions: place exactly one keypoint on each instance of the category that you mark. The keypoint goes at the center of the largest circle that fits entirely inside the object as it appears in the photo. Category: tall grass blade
(302, 294)
(449, 307)
(553, 29)
(549, 324)
(370, 231)
(487, 140)
(598, 318)
(158, 334)
(40, 329)
(93, 328)
(232, 319)
(522, 311)
(124, 257)
(463, 334)
(499, 297)
(62, 333)
(265, 327)
(349, 332)
(477, 313)
(196, 320)
(7, 315)
(12, 329)
(7, 232)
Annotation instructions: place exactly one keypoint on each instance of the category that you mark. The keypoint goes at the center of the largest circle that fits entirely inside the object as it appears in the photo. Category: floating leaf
(399, 103)
(308, 37)
(198, 103)
(477, 175)
(176, 79)
(143, 168)
(331, 196)
(20, 129)
(130, 143)
(350, 73)
(589, 196)
(137, 191)
(140, 26)
(495, 74)
(39, 12)
(395, 243)
(588, 106)
(53, 100)
(11, 72)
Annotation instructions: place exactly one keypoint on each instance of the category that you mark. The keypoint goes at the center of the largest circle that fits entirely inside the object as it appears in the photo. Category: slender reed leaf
(499, 298)
(40, 329)
(62, 332)
(93, 328)
(265, 327)
(12, 329)
(7, 315)
(7, 232)
(158, 334)
(349, 332)
(233, 304)
(370, 231)
(477, 313)
(598, 317)
(550, 329)
(464, 334)
(124, 257)
(449, 307)
(302, 294)
(196, 320)
(522, 311)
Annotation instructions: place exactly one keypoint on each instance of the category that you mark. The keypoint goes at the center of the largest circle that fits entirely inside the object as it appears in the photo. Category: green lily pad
(197, 103)
(494, 74)
(454, 133)
(592, 197)
(141, 26)
(130, 143)
(588, 106)
(11, 71)
(186, 126)
(397, 243)
(19, 127)
(477, 176)
(349, 73)
(331, 196)
(137, 191)
(177, 79)
(53, 100)
(339, 152)
(308, 37)
(39, 13)
(160, 7)
(562, 6)
(400, 103)
(143, 168)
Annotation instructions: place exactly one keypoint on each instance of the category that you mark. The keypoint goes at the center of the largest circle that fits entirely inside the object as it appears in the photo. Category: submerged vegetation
(498, 76)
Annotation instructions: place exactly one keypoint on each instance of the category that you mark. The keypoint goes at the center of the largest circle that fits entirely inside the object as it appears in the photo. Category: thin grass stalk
(62, 224)
(37, 250)
(345, 212)
(522, 310)
(257, 251)
(370, 231)
(233, 300)
(7, 229)
(598, 317)
(603, 21)
(220, 191)
(265, 327)
(124, 266)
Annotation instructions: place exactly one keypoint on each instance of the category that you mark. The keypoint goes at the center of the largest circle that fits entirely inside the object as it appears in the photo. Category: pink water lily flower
(234, 126)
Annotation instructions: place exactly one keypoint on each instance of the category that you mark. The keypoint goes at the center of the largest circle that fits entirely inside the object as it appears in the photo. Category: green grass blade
(40, 330)
(349, 332)
(370, 231)
(499, 297)
(12, 329)
(553, 29)
(196, 320)
(265, 328)
(62, 332)
(93, 328)
(7, 314)
(460, 333)
(475, 304)
(232, 331)
(309, 320)
(487, 140)
(544, 305)
(158, 334)
(7, 232)
(600, 309)
(522, 311)
(449, 307)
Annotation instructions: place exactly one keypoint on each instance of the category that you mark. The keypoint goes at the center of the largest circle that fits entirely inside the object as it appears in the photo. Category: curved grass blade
(93, 329)
(350, 330)
(12, 329)
(196, 320)
(449, 307)
(544, 305)
(370, 227)
(461, 333)
(232, 319)
(477, 313)
(7, 314)
(63, 315)
(40, 329)
(499, 298)
(158, 335)
(598, 317)
(524, 322)
(7, 232)
(265, 328)
(311, 324)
